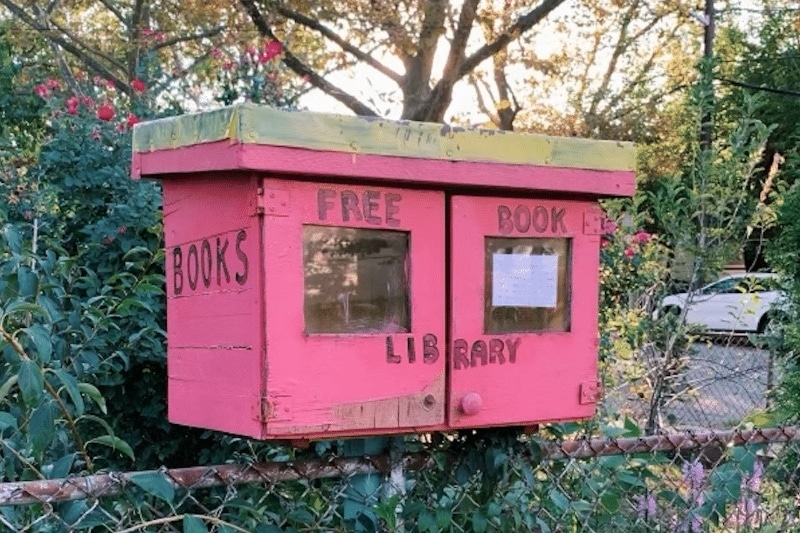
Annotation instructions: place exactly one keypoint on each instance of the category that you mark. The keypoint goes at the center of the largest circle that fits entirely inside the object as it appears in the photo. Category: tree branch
(117, 13)
(482, 105)
(443, 91)
(185, 38)
(419, 65)
(300, 68)
(345, 45)
(523, 24)
(89, 61)
(87, 49)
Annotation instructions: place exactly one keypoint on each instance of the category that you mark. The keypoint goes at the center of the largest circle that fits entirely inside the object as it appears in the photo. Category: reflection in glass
(356, 280)
(526, 285)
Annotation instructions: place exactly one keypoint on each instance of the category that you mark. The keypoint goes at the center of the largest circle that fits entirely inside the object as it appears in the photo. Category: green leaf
(154, 483)
(28, 282)
(116, 443)
(12, 238)
(21, 306)
(193, 524)
(41, 340)
(92, 392)
(302, 516)
(610, 502)
(50, 307)
(137, 250)
(479, 522)
(444, 518)
(268, 528)
(558, 498)
(426, 522)
(41, 427)
(31, 382)
(71, 385)
(62, 467)
(633, 429)
(7, 420)
(10, 382)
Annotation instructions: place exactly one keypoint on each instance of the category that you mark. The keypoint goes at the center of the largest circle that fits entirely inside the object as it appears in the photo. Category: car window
(725, 285)
(759, 284)
(766, 284)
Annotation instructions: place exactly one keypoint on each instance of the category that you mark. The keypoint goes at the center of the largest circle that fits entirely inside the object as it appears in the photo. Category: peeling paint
(257, 125)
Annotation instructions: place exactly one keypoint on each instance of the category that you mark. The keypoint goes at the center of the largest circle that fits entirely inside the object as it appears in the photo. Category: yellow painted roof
(252, 124)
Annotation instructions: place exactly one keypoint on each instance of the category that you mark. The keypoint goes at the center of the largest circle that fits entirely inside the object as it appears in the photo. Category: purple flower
(693, 476)
(645, 506)
(753, 482)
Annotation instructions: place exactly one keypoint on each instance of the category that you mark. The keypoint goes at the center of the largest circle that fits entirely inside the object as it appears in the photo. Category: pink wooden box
(339, 276)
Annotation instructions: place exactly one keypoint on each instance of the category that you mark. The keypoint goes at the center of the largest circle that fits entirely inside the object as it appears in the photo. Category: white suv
(739, 302)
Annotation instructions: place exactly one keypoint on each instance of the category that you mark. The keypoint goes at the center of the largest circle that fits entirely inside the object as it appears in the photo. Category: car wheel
(768, 325)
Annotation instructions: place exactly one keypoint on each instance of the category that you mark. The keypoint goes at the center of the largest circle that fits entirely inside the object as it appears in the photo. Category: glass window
(356, 280)
(526, 285)
(725, 285)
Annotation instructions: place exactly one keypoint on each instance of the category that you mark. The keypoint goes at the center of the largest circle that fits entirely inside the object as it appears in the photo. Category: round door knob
(471, 403)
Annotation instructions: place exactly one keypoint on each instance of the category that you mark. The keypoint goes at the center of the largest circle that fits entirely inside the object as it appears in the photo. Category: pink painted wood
(545, 382)
(239, 356)
(301, 163)
(333, 384)
(215, 317)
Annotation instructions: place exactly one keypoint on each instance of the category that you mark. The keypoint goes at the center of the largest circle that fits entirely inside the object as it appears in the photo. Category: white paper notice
(524, 280)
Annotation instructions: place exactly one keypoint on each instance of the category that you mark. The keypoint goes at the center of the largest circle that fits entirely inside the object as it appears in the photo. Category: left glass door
(355, 308)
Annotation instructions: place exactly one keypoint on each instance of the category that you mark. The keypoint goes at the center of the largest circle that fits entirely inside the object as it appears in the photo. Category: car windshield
(744, 284)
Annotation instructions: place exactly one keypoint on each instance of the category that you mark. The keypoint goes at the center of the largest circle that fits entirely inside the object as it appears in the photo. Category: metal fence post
(363, 490)
(396, 481)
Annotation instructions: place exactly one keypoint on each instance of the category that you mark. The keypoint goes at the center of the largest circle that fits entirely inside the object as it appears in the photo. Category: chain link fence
(722, 381)
(700, 474)
(685, 481)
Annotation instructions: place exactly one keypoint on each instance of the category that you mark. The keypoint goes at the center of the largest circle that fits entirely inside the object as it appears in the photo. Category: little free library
(334, 276)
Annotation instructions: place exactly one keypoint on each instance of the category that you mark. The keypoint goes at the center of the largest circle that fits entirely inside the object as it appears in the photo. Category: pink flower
(138, 85)
(272, 49)
(609, 226)
(122, 229)
(629, 252)
(105, 112)
(96, 135)
(72, 105)
(216, 53)
(642, 237)
(108, 240)
(132, 120)
(87, 101)
(53, 84)
(42, 90)
(227, 65)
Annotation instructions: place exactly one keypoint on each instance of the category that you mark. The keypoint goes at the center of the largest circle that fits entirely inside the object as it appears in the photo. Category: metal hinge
(273, 202)
(593, 222)
(269, 408)
(590, 392)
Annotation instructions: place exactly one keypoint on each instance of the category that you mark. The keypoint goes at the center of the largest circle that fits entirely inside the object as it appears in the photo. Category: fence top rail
(49, 491)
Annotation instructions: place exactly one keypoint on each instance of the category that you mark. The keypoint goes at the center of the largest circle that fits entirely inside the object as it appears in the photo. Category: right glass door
(523, 311)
